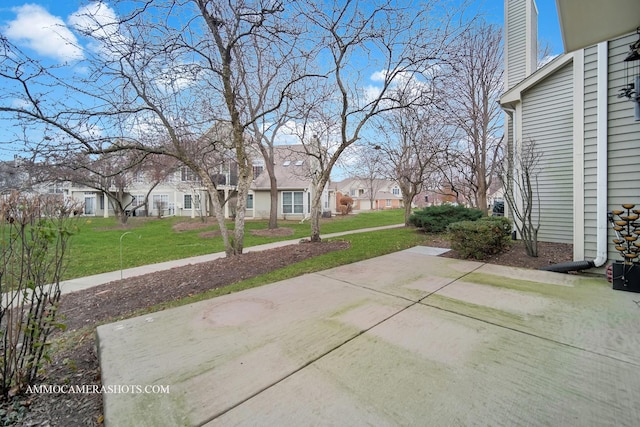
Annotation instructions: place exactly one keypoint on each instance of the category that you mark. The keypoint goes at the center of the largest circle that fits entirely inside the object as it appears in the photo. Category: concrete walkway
(403, 339)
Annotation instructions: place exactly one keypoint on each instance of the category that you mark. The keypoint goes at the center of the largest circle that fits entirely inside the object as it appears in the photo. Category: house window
(160, 202)
(137, 200)
(352, 192)
(388, 203)
(188, 175)
(293, 202)
(56, 188)
(287, 163)
(188, 201)
(250, 201)
(299, 162)
(257, 170)
(361, 192)
(395, 191)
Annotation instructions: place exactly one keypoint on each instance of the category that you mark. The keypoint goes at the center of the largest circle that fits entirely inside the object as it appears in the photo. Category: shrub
(499, 221)
(35, 234)
(346, 205)
(435, 219)
(479, 239)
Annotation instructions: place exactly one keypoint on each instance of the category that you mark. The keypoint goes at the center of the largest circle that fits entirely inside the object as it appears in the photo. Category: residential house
(386, 193)
(13, 177)
(293, 169)
(571, 108)
(181, 193)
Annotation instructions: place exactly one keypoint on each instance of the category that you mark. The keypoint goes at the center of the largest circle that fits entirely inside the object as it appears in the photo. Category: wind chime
(632, 76)
(626, 224)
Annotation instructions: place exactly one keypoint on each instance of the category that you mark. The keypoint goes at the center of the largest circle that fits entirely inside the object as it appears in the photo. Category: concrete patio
(404, 339)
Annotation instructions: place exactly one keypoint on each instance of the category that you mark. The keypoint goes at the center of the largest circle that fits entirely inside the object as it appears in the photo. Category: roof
(513, 95)
(585, 23)
(292, 167)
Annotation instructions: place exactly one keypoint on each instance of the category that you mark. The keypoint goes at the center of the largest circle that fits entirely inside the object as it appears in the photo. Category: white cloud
(46, 34)
(96, 19)
(100, 23)
(378, 76)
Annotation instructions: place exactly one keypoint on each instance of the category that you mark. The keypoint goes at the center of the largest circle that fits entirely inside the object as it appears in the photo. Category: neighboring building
(182, 193)
(387, 194)
(586, 132)
(293, 169)
(13, 177)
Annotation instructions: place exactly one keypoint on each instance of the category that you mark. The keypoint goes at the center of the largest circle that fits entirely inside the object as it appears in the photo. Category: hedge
(435, 219)
(479, 239)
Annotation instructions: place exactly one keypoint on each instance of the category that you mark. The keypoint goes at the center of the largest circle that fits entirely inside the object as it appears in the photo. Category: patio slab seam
(308, 363)
(411, 303)
(390, 294)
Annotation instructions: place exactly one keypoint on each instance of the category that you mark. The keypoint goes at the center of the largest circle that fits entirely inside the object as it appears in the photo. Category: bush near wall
(479, 239)
(435, 219)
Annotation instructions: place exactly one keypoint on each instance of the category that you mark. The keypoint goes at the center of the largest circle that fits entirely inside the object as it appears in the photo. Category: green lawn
(97, 245)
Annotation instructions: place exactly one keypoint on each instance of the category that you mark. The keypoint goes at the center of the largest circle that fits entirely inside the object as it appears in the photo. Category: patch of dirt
(193, 224)
(76, 362)
(210, 234)
(516, 255)
(274, 232)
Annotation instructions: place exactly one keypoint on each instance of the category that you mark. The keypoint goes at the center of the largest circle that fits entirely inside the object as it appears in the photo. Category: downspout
(602, 220)
(601, 156)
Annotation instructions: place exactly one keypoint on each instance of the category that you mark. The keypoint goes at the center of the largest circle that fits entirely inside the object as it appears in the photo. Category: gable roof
(292, 166)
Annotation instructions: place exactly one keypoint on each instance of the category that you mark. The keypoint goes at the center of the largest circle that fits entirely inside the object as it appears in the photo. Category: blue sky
(43, 28)
(46, 12)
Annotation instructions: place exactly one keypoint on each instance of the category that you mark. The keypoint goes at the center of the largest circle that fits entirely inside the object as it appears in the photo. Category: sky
(31, 22)
(43, 28)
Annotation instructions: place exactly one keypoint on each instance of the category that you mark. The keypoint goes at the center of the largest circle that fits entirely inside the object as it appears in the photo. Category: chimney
(521, 40)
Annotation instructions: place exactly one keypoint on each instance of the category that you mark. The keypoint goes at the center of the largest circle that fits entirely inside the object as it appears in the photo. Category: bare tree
(273, 77)
(414, 140)
(520, 180)
(370, 169)
(402, 46)
(472, 108)
(161, 78)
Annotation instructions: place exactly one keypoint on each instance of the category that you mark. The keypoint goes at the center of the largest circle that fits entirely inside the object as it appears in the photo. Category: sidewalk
(81, 283)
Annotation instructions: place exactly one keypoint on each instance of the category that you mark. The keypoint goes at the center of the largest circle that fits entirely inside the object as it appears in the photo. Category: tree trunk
(218, 211)
(407, 209)
(273, 192)
(316, 210)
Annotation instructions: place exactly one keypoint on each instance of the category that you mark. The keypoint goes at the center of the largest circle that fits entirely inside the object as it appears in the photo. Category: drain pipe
(601, 156)
(602, 219)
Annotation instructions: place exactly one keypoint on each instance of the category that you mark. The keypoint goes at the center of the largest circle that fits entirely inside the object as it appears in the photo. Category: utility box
(626, 277)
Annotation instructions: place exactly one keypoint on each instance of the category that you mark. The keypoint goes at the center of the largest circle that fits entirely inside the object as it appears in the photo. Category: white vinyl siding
(553, 136)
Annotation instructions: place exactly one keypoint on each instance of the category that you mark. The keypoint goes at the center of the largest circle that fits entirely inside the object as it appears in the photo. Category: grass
(97, 246)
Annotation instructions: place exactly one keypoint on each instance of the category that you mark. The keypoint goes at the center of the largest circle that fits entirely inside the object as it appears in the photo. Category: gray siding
(516, 37)
(623, 134)
(553, 136)
(590, 140)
